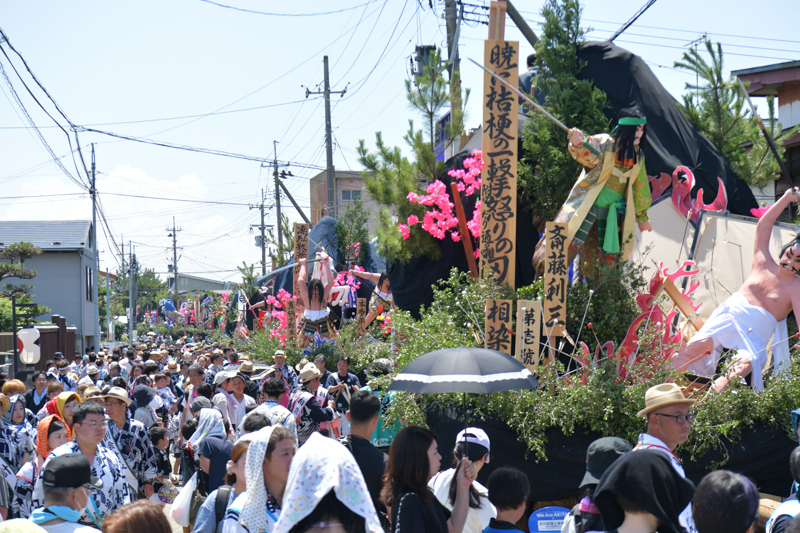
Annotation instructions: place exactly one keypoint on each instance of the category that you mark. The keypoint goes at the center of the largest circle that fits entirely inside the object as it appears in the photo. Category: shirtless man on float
(315, 296)
(768, 295)
(381, 298)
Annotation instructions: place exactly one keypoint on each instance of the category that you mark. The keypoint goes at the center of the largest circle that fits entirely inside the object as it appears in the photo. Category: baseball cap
(474, 436)
(70, 471)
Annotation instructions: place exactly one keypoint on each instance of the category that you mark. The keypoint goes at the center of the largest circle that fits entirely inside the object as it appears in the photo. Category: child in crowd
(162, 383)
(508, 491)
(158, 436)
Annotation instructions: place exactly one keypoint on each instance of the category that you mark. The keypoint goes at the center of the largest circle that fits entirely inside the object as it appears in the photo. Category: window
(350, 195)
(89, 285)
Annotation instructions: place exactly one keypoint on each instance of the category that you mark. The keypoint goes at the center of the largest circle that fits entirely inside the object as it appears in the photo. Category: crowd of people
(106, 441)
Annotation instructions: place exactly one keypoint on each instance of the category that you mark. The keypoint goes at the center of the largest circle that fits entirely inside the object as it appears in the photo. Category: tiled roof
(49, 235)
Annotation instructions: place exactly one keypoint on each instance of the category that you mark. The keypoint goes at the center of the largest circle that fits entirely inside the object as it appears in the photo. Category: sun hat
(246, 367)
(5, 404)
(309, 372)
(91, 370)
(299, 366)
(143, 395)
(661, 396)
(173, 367)
(600, 455)
(118, 393)
(279, 353)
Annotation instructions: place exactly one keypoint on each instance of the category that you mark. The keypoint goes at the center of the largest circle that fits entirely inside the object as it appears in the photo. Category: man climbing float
(747, 320)
(611, 184)
(381, 298)
(315, 295)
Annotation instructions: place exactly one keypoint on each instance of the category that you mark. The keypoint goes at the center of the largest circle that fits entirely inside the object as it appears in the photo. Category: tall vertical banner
(555, 279)
(498, 325)
(300, 252)
(291, 321)
(499, 175)
(361, 316)
(529, 325)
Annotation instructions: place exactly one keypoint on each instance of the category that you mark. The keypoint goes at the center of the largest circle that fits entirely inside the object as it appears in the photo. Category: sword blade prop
(764, 132)
(536, 106)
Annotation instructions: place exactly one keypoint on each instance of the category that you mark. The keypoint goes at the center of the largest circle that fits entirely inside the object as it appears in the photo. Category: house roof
(767, 79)
(49, 235)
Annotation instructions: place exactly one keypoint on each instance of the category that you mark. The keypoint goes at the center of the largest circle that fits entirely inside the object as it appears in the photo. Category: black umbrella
(477, 370)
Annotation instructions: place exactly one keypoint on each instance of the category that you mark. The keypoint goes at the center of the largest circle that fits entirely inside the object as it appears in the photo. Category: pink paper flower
(412, 219)
(412, 197)
(404, 230)
(758, 212)
(456, 236)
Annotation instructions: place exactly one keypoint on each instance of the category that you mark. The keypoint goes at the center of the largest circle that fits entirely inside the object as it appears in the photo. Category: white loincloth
(727, 327)
(315, 315)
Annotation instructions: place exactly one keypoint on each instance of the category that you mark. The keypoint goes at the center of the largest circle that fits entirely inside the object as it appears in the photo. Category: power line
(286, 14)
(209, 151)
(204, 115)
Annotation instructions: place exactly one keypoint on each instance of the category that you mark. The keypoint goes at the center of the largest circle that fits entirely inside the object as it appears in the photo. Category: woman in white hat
(473, 444)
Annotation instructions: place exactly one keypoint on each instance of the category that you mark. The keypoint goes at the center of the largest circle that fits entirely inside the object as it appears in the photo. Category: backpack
(221, 502)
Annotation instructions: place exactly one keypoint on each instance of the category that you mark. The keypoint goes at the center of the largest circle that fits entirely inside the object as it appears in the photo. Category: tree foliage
(351, 230)
(716, 108)
(18, 253)
(277, 252)
(391, 176)
(546, 170)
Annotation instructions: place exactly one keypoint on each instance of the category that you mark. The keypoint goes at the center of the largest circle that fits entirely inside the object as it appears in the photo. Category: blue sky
(194, 73)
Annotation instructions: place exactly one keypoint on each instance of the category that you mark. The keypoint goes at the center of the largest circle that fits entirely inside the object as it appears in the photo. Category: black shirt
(372, 463)
(411, 515)
(342, 404)
(218, 451)
(30, 403)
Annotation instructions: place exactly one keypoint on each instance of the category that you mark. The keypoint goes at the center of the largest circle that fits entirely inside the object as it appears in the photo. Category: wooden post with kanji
(555, 284)
(499, 175)
(291, 322)
(361, 316)
(498, 325)
(529, 325)
(300, 252)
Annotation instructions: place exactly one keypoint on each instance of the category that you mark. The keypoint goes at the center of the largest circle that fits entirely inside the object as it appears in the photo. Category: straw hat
(299, 366)
(5, 404)
(309, 372)
(173, 368)
(118, 393)
(246, 367)
(661, 396)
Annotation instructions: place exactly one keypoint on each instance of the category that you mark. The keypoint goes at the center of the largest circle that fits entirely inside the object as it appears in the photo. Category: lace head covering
(320, 465)
(254, 515)
(210, 424)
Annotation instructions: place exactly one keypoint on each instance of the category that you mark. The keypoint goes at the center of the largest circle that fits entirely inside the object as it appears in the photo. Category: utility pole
(132, 268)
(94, 277)
(109, 329)
(277, 206)
(174, 234)
(326, 92)
(453, 27)
(262, 227)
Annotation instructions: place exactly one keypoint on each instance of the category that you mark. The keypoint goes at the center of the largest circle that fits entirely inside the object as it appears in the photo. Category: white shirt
(241, 409)
(649, 442)
(477, 519)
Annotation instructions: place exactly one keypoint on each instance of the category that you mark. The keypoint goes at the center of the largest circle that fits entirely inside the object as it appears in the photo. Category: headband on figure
(630, 121)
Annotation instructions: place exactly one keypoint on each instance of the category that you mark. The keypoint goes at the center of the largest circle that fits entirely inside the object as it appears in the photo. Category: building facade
(65, 273)
(348, 185)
